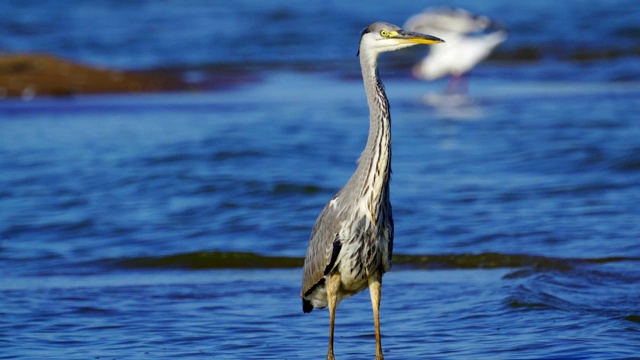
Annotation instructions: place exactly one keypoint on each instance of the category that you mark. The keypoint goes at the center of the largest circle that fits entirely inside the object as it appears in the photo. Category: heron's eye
(384, 33)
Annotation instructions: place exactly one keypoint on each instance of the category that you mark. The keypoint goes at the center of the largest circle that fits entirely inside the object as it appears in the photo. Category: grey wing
(323, 250)
(441, 20)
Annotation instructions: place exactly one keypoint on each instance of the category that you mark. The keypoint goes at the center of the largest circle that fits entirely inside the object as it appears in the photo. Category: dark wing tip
(306, 306)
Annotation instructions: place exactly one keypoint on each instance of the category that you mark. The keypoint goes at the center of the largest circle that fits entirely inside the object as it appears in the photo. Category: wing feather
(323, 251)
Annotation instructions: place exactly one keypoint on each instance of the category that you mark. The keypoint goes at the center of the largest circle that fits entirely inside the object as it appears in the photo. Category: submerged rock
(29, 75)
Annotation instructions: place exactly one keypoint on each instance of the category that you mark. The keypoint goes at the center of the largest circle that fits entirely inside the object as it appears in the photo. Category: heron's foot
(379, 357)
(330, 356)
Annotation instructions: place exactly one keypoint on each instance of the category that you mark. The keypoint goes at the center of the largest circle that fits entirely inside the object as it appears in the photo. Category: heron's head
(380, 37)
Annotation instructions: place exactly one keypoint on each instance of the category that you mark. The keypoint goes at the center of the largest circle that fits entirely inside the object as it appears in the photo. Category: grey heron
(470, 39)
(351, 242)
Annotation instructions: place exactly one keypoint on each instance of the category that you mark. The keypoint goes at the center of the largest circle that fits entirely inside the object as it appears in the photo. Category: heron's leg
(332, 286)
(375, 288)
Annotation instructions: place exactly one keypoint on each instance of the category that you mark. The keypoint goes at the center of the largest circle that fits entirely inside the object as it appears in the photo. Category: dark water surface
(173, 225)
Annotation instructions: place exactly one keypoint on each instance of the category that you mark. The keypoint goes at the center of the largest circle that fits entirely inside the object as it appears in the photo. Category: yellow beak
(415, 38)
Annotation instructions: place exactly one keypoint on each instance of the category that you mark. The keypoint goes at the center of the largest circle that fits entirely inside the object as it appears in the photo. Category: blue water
(541, 159)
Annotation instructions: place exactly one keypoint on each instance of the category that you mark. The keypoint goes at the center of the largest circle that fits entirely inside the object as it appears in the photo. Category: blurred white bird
(469, 40)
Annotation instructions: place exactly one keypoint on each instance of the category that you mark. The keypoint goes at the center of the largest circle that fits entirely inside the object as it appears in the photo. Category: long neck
(374, 166)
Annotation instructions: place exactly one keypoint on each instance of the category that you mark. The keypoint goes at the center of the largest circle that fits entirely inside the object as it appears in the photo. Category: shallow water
(173, 225)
